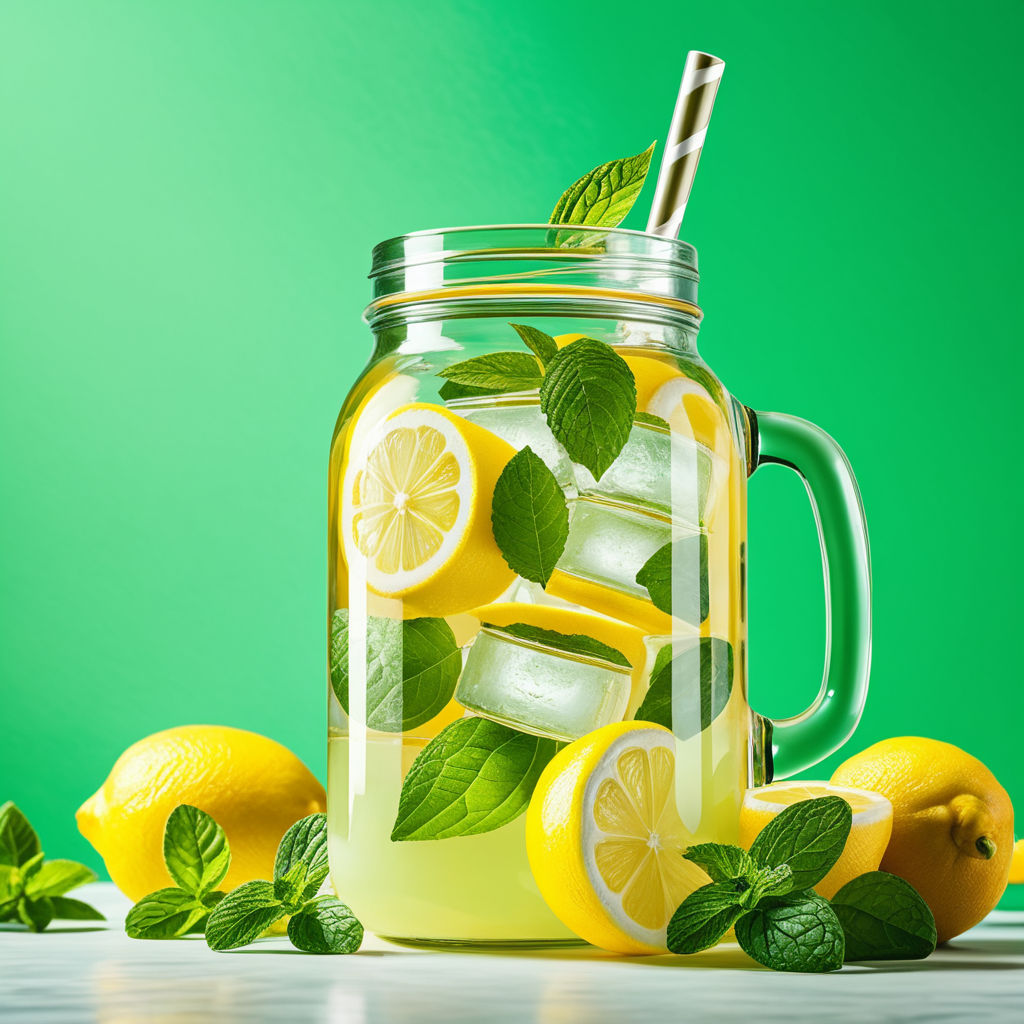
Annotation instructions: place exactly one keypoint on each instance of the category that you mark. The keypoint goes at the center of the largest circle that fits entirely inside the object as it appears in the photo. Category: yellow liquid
(469, 889)
(479, 889)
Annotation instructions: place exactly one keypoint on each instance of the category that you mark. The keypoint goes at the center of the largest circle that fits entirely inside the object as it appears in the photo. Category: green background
(189, 191)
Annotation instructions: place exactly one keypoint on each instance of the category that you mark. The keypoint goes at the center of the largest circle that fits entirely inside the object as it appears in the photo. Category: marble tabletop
(75, 972)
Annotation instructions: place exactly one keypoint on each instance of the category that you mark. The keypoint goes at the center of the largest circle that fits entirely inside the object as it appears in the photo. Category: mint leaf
(67, 909)
(767, 882)
(691, 688)
(195, 849)
(684, 561)
(809, 836)
(542, 345)
(243, 915)
(497, 371)
(589, 398)
(35, 913)
(473, 776)
(705, 916)
(529, 517)
(721, 861)
(325, 925)
(577, 644)
(451, 392)
(289, 887)
(306, 843)
(884, 918)
(164, 914)
(412, 667)
(798, 932)
(56, 877)
(648, 419)
(603, 196)
(18, 839)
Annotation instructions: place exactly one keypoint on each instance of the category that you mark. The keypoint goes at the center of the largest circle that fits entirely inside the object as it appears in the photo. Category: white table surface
(79, 972)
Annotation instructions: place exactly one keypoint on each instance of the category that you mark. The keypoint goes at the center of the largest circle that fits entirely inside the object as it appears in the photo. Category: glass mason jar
(439, 648)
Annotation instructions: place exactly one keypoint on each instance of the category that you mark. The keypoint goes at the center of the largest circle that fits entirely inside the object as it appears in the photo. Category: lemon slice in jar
(605, 840)
(416, 511)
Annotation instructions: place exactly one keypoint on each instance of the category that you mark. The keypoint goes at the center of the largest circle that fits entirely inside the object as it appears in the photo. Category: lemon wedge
(605, 840)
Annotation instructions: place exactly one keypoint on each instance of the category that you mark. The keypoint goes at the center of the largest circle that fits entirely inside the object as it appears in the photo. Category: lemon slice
(416, 511)
(869, 835)
(605, 840)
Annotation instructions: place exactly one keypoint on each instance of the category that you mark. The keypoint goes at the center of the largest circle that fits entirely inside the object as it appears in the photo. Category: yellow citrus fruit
(952, 832)
(869, 834)
(625, 607)
(1017, 863)
(253, 787)
(416, 511)
(623, 637)
(605, 840)
(689, 410)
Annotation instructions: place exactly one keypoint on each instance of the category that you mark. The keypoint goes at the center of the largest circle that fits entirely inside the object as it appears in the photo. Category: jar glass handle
(807, 738)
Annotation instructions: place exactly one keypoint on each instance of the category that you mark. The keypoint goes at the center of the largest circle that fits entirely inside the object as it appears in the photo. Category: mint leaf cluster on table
(767, 895)
(198, 856)
(32, 889)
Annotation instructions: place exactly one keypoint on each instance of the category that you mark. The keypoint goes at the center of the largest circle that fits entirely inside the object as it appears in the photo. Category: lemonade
(500, 588)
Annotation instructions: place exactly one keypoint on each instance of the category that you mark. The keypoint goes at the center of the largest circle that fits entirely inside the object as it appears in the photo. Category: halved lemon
(416, 511)
(605, 840)
(869, 836)
(689, 410)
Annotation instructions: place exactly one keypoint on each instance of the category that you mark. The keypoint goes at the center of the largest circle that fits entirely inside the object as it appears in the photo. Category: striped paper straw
(701, 75)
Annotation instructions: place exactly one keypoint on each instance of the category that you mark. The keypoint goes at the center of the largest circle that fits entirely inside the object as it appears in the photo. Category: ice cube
(539, 689)
(657, 469)
(518, 419)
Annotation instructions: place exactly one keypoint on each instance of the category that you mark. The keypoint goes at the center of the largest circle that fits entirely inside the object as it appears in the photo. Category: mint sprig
(32, 888)
(578, 644)
(412, 667)
(691, 683)
(319, 924)
(197, 857)
(541, 344)
(496, 372)
(589, 398)
(529, 517)
(780, 921)
(474, 776)
(679, 567)
(884, 918)
(603, 196)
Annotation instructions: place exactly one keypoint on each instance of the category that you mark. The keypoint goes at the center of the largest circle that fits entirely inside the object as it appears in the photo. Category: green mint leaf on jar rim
(306, 843)
(56, 877)
(577, 644)
(325, 925)
(412, 667)
(18, 839)
(700, 674)
(243, 915)
(474, 776)
(164, 914)
(497, 372)
(884, 918)
(796, 932)
(589, 399)
(529, 517)
(809, 836)
(679, 567)
(542, 345)
(195, 850)
(705, 916)
(722, 862)
(604, 195)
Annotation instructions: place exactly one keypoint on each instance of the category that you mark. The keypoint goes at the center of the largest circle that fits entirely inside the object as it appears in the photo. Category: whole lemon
(952, 830)
(253, 787)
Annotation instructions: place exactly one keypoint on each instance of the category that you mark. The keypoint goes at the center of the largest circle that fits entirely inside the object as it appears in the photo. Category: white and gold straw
(701, 75)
